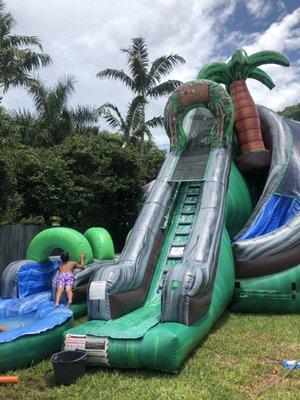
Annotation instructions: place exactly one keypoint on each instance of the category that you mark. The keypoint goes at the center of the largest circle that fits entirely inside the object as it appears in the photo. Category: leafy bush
(86, 180)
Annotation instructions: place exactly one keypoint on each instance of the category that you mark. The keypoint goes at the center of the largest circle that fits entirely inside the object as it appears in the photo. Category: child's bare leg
(59, 292)
(69, 294)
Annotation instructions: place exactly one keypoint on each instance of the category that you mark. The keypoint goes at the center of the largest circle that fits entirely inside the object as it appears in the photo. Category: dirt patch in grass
(229, 360)
(259, 336)
(273, 384)
(291, 350)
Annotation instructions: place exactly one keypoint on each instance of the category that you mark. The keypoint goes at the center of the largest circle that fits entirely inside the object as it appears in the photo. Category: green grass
(238, 359)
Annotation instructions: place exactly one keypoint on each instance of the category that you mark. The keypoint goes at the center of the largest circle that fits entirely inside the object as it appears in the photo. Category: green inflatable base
(276, 294)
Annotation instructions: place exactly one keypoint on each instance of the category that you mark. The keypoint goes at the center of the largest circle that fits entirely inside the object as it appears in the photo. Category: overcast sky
(84, 37)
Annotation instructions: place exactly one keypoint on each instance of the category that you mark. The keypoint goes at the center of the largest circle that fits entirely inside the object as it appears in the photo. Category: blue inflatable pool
(30, 326)
(29, 316)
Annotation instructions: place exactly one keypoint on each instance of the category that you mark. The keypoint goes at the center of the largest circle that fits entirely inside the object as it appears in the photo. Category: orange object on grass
(9, 379)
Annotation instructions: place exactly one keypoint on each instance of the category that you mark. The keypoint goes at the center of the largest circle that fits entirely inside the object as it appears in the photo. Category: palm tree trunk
(142, 144)
(143, 118)
(247, 122)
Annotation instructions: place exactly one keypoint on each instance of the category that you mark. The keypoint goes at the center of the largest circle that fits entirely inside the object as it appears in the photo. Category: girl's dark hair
(65, 257)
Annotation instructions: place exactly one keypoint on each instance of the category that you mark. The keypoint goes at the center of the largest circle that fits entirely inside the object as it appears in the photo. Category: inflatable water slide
(197, 246)
(31, 327)
(220, 227)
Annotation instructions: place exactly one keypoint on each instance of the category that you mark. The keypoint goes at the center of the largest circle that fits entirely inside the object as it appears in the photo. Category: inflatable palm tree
(234, 74)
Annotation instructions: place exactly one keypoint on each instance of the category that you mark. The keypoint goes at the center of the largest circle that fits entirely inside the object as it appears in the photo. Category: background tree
(292, 112)
(53, 119)
(17, 60)
(132, 126)
(144, 80)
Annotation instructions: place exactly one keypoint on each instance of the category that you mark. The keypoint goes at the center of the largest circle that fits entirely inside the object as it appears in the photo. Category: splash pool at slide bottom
(33, 328)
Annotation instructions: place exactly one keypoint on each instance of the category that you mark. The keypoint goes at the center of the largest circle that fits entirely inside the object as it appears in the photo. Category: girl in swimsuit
(65, 278)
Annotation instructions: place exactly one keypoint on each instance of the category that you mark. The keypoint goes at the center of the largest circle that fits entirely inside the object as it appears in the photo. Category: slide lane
(139, 338)
(135, 324)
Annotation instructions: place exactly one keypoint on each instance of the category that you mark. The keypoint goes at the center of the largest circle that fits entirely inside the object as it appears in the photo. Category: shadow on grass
(217, 325)
(49, 379)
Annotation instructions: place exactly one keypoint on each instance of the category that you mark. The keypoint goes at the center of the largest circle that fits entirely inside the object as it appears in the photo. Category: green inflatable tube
(67, 239)
(101, 243)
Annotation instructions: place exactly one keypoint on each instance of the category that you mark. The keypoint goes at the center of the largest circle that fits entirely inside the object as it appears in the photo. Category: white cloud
(259, 8)
(84, 37)
(281, 36)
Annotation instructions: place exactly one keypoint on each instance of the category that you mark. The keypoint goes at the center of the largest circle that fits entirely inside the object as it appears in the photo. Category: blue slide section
(277, 212)
(36, 277)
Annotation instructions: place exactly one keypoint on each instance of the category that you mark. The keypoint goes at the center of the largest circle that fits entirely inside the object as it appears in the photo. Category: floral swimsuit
(65, 279)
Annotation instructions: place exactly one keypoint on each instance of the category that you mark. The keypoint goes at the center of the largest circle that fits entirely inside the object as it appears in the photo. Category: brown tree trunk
(246, 119)
(142, 144)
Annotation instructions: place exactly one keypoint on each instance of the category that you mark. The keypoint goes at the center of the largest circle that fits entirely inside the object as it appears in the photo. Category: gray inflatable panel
(283, 179)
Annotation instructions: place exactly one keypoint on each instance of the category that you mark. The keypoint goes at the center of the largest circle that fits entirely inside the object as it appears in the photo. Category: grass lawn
(238, 359)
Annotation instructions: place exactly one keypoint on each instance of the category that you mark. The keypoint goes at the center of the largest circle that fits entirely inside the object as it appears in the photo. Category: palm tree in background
(133, 126)
(53, 119)
(234, 74)
(145, 80)
(17, 60)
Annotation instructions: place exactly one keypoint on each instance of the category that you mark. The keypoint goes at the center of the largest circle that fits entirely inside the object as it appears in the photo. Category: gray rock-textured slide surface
(263, 247)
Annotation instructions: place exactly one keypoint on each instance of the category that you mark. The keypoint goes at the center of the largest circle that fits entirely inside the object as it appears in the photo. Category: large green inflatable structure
(220, 227)
(198, 245)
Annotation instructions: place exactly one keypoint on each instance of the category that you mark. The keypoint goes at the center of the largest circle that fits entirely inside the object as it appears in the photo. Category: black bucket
(68, 366)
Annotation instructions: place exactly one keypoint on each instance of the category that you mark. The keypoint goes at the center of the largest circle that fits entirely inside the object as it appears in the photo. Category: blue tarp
(277, 212)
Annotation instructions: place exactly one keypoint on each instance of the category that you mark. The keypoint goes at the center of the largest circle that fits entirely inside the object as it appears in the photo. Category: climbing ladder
(188, 199)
